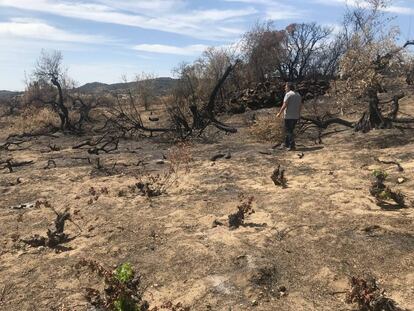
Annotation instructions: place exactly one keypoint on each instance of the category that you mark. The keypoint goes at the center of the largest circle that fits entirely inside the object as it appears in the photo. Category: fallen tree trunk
(372, 118)
(209, 109)
(10, 164)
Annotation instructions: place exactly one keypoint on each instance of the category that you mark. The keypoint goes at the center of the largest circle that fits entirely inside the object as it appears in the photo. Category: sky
(104, 40)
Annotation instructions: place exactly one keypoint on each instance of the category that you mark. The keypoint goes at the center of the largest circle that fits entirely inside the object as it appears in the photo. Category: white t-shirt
(294, 102)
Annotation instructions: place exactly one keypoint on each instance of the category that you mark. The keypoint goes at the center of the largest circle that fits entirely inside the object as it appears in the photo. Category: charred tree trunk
(372, 118)
(208, 111)
(198, 122)
(395, 106)
(84, 110)
(61, 108)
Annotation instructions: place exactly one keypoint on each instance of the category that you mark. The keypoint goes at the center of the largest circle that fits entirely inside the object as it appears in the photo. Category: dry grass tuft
(268, 128)
(32, 119)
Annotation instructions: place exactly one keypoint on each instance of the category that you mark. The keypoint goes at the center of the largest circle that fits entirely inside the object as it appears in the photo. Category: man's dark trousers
(290, 128)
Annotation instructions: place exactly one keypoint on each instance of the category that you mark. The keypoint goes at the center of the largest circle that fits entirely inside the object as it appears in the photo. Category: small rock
(254, 303)
(115, 249)
(282, 291)
(401, 180)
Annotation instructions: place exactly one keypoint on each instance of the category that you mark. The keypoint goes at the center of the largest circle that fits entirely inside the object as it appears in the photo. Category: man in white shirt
(292, 107)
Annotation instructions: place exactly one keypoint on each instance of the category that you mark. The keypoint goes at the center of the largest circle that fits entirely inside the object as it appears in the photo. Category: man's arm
(282, 109)
(284, 106)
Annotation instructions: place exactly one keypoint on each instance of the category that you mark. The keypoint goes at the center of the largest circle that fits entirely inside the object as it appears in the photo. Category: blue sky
(102, 40)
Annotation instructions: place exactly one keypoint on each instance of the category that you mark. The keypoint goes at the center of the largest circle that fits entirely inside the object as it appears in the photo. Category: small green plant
(125, 304)
(380, 174)
(122, 288)
(124, 273)
(384, 195)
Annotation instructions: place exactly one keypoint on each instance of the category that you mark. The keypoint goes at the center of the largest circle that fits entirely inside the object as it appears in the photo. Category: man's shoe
(292, 148)
(283, 147)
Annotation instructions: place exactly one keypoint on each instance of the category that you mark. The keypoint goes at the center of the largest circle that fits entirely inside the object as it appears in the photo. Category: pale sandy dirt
(310, 237)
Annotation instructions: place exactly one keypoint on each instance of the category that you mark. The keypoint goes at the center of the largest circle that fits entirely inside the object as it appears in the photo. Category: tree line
(363, 53)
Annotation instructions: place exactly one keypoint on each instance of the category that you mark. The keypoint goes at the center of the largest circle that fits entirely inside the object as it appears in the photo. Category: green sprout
(124, 273)
(384, 195)
(380, 174)
(125, 304)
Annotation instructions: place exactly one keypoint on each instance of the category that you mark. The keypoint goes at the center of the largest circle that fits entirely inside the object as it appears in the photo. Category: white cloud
(214, 15)
(202, 24)
(275, 10)
(195, 49)
(395, 9)
(189, 50)
(145, 6)
(40, 30)
(399, 10)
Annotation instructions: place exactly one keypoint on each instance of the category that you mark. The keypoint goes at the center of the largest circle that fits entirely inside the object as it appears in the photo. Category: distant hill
(162, 86)
(8, 94)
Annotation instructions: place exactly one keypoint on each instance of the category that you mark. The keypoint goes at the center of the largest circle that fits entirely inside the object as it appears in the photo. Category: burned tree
(300, 46)
(261, 46)
(205, 116)
(124, 118)
(367, 81)
(84, 107)
(145, 88)
(48, 85)
(292, 54)
(186, 118)
(371, 62)
(371, 66)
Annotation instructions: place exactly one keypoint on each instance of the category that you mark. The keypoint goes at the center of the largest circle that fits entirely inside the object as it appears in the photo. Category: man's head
(289, 86)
